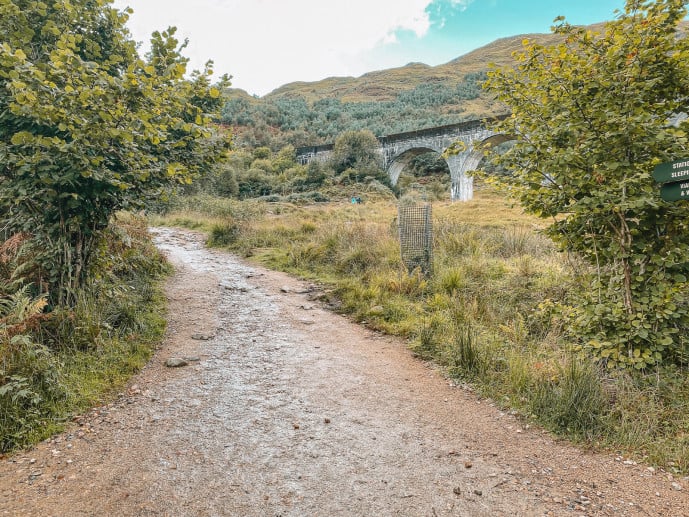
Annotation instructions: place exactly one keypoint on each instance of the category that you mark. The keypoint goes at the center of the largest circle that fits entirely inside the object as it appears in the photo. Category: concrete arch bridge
(399, 149)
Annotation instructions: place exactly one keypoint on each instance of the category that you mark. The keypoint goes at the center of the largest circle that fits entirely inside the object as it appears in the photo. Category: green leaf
(21, 138)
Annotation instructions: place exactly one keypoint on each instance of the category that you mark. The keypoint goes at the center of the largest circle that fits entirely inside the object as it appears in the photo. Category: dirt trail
(287, 409)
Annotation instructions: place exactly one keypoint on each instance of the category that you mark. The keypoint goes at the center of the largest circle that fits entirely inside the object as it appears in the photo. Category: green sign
(675, 191)
(672, 171)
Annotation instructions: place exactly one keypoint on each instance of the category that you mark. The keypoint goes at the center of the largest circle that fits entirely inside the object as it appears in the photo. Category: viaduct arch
(399, 149)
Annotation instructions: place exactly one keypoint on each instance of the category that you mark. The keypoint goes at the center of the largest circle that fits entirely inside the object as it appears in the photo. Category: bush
(587, 171)
(30, 386)
(308, 197)
(254, 183)
(58, 360)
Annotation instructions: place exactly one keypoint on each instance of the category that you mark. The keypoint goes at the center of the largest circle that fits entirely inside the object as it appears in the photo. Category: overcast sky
(264, 44)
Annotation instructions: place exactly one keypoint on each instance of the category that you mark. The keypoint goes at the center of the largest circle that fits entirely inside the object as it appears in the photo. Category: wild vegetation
(354, 167)
(505, 308)
(487, 314)
(591, 116)
(87, 128)
(387, 101)
(56, 361)
(291, 120)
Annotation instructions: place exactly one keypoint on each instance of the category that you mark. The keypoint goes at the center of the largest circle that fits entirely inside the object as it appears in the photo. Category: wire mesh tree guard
(416, 236)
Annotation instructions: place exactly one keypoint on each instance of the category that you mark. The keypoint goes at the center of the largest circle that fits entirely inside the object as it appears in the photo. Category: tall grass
(491, 313)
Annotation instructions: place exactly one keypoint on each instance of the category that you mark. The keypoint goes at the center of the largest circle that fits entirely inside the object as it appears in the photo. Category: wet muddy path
(286, 409)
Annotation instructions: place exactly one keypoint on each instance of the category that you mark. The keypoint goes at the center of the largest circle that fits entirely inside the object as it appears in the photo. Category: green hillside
(389, 101)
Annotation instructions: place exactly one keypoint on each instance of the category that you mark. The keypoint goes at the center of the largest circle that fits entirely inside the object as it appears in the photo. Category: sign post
(675, 191)
(674, 177)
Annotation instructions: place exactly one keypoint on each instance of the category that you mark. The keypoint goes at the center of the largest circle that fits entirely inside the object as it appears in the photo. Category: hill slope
(399, 99)
(385, 85)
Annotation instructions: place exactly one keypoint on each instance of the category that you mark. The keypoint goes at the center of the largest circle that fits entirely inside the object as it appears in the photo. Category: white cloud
(462, 4)
(266, 43)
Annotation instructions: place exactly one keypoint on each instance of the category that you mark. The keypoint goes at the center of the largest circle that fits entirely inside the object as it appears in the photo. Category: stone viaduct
(399, 149)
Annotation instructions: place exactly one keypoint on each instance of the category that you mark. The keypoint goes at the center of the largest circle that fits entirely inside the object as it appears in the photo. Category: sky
(264, 44)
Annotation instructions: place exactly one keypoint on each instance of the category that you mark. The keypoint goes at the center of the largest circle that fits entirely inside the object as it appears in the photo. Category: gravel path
(286, 409)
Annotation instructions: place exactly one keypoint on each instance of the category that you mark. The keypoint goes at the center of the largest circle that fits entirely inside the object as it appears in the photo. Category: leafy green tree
(87, 127)
(428, 164)
(239, 159)
(254, 183)
(262, 153)
(238, 111)
(316, 174)
(264, 164)
(591, 116)
(355, 149)
(226, 183)
(285, 159)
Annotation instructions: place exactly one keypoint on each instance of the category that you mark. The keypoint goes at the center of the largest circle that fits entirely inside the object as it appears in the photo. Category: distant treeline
(276, 122)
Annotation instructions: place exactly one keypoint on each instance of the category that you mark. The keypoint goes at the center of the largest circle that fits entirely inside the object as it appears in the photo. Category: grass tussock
(491, 313)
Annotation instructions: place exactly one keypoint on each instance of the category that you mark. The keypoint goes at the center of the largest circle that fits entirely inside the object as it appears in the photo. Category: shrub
(54, 363)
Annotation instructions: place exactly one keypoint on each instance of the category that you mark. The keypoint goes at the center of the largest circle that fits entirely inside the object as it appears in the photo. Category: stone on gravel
(176, 362)
(202, 337)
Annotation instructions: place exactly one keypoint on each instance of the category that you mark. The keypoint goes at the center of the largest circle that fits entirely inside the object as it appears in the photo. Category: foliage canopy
(277, 121)
(592, 120)
(87, 127)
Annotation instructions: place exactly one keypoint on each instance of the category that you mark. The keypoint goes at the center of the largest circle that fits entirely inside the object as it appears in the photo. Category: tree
(285, 159)
(87, 127)
(254, 183)
(226, 182)
(592, 119)
(262, 153)
(355, 156)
